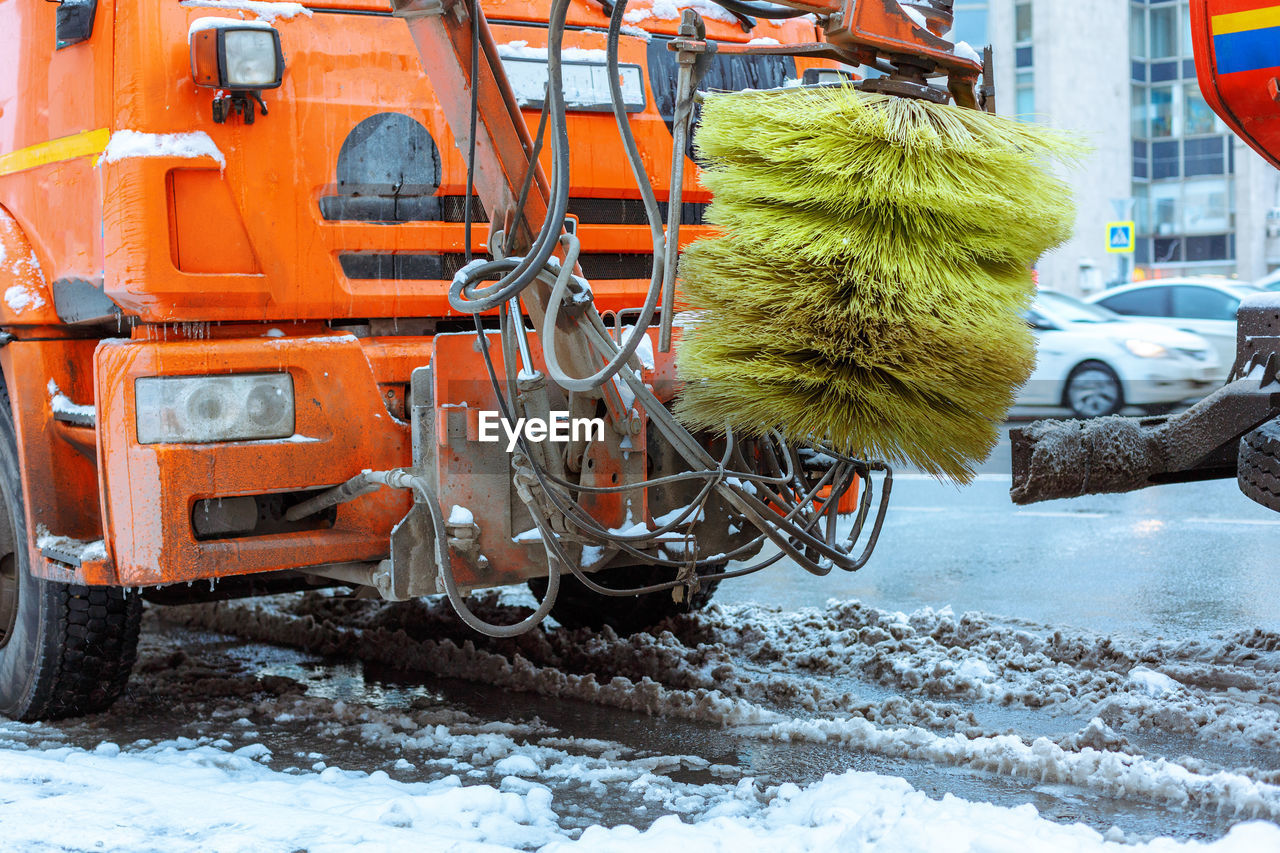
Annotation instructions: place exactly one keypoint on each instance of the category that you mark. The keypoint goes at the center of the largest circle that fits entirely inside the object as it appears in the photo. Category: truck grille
(452, 208)
(600, 266)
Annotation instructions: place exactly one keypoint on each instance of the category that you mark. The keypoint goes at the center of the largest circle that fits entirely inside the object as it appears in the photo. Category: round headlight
(209, 407)
(266, 405)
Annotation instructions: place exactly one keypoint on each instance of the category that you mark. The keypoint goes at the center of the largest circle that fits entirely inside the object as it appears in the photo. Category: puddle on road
(718, 757)
(768, 762)
(734, 753)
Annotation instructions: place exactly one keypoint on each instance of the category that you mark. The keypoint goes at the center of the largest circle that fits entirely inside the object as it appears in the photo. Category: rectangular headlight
(203, 409)
(251, 59)
(237, 55)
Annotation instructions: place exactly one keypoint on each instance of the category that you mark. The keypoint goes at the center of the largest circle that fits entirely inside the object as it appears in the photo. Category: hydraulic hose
(760, 10)
(445, 566)
(464, 295)
(631, 342)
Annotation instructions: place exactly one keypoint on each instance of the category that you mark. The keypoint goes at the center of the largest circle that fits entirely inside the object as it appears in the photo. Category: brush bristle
(867, 285)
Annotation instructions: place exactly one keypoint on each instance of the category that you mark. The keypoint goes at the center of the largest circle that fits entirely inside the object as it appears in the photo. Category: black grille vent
(590, 211)
(452, 208)
(626, 211)
(612, 266)
(602, 266)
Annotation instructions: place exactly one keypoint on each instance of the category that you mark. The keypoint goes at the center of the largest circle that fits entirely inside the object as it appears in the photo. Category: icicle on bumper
(867, 286)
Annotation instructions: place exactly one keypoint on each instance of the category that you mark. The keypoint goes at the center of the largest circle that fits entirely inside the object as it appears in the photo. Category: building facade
(1121, 73)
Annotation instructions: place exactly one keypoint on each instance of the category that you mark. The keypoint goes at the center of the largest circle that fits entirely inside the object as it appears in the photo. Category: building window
(1214, 247)
(1164, 32)
(1168, 250)
(1206, 206)
(1140, 159)
(1022, 29)
(1198, 119)
(1026, 95)
(1024, 60)
(1205, 156)
(1188, 49)
(1142, 252)
(1163, 72)
(1165, 160)
(1141, 209)
(1161, 111)
(1137, 32)
(1138, 113)
(1164, 208)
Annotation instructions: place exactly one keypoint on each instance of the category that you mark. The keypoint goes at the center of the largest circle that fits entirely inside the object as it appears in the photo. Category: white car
(1270, 281)
(1202, 306)
(1094, 362)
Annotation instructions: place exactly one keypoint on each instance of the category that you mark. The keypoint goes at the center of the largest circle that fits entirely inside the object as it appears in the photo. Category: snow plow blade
(1067, 459)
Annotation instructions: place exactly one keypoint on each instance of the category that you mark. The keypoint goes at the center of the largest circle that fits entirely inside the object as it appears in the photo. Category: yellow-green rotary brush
(873, 261)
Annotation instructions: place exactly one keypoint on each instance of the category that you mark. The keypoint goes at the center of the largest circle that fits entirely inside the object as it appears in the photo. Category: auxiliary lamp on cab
(237, 58)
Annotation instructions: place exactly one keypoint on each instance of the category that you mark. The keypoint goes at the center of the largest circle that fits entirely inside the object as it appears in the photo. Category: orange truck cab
(214, 305)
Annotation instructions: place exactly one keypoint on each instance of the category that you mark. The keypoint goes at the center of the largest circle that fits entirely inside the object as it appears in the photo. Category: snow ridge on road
(751, 666)
(1091, 719)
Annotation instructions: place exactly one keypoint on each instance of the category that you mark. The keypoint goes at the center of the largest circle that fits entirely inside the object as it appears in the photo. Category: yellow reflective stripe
(1239, 22)
(89, 143)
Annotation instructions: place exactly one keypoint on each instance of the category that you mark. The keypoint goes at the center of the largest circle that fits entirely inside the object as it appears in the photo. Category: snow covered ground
(182, 795)
(741, 728)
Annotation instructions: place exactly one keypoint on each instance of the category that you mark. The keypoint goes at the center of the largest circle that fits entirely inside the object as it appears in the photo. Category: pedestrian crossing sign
(1119, 237)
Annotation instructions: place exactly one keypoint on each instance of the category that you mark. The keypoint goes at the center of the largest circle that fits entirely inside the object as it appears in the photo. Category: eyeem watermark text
(560, 427)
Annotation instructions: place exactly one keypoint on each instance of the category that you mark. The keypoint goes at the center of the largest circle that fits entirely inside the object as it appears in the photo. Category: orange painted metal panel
(27, 298)
(60, 482)
(48, 94)
(149, 490)
(110, 222)
(198, 197)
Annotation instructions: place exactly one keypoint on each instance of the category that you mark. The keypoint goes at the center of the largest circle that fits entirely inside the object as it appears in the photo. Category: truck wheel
(1258, 465)
(1093, 391)
(578, 607)
(64, 650)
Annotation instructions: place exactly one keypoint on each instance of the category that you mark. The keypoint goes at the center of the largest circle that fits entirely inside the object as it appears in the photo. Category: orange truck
(233, 246)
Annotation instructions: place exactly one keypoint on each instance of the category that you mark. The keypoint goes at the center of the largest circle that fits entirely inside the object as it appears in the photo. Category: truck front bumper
(342, 426)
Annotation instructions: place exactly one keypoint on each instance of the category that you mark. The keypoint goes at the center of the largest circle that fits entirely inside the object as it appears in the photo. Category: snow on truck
(248, 345)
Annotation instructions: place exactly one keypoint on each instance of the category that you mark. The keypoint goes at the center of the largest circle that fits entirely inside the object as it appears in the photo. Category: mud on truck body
(242, 354)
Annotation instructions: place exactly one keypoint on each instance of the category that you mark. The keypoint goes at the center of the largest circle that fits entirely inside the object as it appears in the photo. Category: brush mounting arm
(884, 34)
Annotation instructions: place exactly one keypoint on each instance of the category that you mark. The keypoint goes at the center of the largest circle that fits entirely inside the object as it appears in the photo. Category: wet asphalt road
(1169, 561)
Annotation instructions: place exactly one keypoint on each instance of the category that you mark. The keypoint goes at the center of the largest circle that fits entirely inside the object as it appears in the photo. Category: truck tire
(1258, 465)
(65, 650)
(578, 607)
